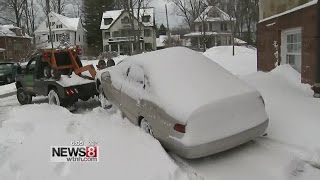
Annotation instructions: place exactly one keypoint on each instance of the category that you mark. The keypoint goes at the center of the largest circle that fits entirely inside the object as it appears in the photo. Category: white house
(61, 26)
(213, 25)
(117, 35)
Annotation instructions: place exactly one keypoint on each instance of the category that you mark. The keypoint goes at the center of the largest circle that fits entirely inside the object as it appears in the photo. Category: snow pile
(8, 88)
(125, 151)
(244, 62)
(294, 113)
(73, 80)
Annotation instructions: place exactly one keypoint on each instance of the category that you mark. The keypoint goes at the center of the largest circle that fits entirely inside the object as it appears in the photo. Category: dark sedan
(8, 72)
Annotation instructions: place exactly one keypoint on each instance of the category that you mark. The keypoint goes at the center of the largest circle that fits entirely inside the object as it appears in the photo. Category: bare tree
(31, 15)
(190, 10)
(56, 6)
(16, 6)
(136, 11)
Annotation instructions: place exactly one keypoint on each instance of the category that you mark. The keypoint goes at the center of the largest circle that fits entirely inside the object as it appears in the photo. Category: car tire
(146, 127)
(23, 97)
(54, 98)
(104, 103)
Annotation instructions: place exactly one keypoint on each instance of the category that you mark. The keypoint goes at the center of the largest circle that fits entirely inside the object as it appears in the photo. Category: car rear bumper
(217, 146)
(84, 91)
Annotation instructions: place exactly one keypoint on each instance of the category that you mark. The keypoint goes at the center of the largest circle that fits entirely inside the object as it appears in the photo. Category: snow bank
(294, 113)
(244, 62)
(8, 88)
(125, 151)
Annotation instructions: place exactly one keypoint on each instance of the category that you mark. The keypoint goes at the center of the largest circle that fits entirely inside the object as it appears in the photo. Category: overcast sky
(159, 5)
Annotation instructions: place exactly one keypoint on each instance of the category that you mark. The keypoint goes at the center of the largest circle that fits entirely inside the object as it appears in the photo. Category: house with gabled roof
(15, 43)
(116, 31)
(70, 29)
(212, 26)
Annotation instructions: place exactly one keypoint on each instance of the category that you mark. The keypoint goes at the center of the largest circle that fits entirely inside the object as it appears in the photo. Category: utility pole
(59, 6)
(168, 28)
(49, 24)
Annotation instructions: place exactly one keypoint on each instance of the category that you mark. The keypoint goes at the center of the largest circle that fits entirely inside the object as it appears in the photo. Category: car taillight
(180, 128)
(70, 92)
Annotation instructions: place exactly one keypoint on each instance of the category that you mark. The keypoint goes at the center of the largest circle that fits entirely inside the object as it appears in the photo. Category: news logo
(75, 153)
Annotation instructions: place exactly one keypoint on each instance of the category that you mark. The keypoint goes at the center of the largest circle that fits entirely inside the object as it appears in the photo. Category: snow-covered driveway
(290, 151)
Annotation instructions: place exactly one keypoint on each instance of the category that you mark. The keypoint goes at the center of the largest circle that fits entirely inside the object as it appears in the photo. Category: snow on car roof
(182, 80)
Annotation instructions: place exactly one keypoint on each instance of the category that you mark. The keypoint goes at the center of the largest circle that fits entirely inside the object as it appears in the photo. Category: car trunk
(224, 118)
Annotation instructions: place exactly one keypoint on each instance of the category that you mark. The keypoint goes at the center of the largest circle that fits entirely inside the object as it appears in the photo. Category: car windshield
(5, 66)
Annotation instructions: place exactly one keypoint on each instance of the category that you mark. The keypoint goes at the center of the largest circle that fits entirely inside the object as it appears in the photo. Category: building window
(79, 38)
(224, 27)
(106, 35)
(116, 34)
(59, 26)
(125, 20)
(293, 50)
(291, 42)
(146, 18)
(148, 46)
(107, 21)
(147, 33)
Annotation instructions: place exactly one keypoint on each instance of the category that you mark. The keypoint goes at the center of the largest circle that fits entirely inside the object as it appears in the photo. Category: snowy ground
(7, 88)
(290, 151)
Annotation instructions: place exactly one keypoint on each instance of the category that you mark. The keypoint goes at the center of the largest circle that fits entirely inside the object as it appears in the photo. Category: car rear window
(62, 59)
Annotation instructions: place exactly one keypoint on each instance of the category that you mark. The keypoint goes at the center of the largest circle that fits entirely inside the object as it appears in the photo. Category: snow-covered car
(193, 106)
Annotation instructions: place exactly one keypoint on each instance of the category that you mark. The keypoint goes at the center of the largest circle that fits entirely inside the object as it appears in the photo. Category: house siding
(17, 48)
(270, 31)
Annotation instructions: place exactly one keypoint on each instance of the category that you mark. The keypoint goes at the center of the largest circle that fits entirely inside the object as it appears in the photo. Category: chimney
(23, 31)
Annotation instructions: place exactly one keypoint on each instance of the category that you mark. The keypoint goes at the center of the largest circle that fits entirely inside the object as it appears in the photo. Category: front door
(291, 48)
(28, 78)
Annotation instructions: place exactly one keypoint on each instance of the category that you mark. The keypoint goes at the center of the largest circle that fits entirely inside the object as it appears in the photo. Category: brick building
(288, 35)
(15, 44)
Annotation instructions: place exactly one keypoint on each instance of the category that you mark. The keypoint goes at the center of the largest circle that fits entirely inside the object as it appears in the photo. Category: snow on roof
(313, 2)
(182, 80)
(196, 34)
(8, 30)
(114, 15)
(69, 23)
(239, 41)
(207, 15)
(1, 49)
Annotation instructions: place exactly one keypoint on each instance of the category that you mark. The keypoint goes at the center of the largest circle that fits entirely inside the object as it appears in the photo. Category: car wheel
(103, 100)
(54, 98)
(146, 127)
(23, 97)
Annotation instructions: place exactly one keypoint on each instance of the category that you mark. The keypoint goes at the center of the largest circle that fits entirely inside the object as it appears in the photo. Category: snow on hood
(182, 80)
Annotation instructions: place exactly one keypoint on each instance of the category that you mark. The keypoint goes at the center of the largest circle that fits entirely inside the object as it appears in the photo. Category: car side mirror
(106, 77)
